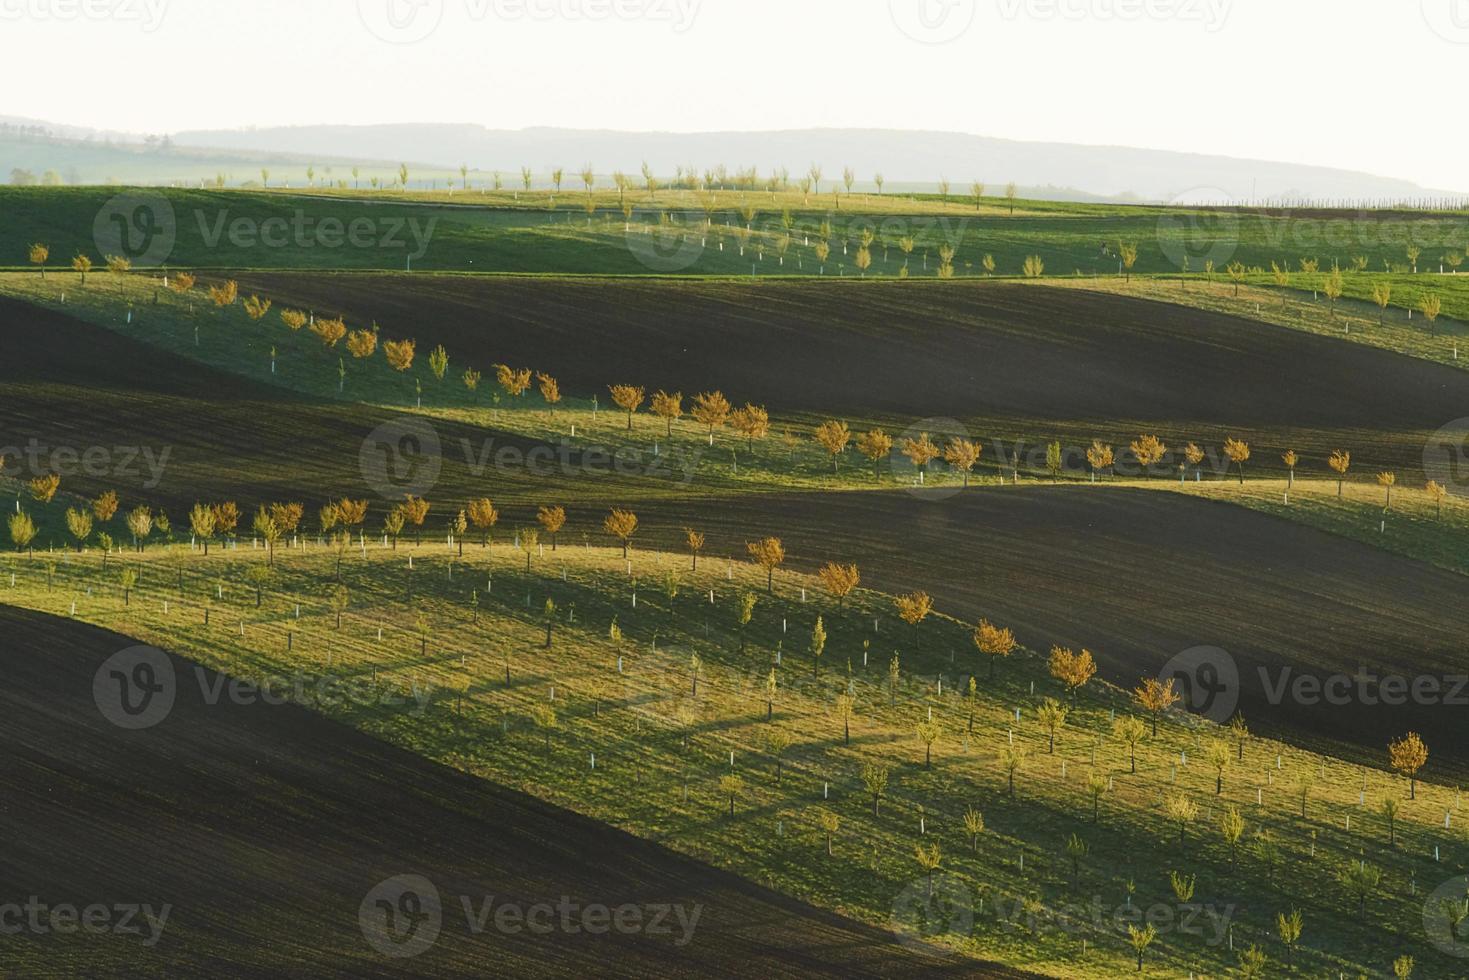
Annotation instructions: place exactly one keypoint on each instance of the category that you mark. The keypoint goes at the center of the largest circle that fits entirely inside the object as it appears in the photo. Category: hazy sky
(1372, 85)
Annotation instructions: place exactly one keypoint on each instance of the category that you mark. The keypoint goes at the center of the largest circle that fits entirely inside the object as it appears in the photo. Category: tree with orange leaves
(913, 609)
(711, 409)
(833, 437)
(415, 512)
(769, 554)
(840, 580)
(483, 515)
(962, 455)
(994, 642)
(553, 519)
(875, 444)
(668, 407)
(920, 453)
(1155, 697)
(399, 354)
(695, 541)
(1407, 755)
(752, 422)
(551, 395)
(628, 398)
(1072, 669)
(622, 525)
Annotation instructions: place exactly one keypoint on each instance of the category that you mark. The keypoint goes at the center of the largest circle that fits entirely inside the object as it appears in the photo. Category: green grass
(649, 782)
(514, 231)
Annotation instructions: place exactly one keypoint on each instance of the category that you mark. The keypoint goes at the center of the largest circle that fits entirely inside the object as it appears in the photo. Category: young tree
(1436, 492)
(1012, 757)
(875, 782)
(1389, 807)
(668, 407)
(1288, 927)
(362, 344)
(973, 826)
(1072, 669)
(1140, 940)
(43, 488)
(711, 409)
(752, 422)
(553, 519)
(1290, 459)
(79, 525)
(829, 823)
(622, 525)
(550, 391)
(266, 528)
(483, 515)
(39, 255)
(1340, 461)
(544, 718)
(1381, 295)
(1362, 880)
(747, 612)
(1033, 267)
(628, 398)
(920, 452)
(1011, 192)
(1182, 811)
(913, 609)
(1127, 253)
(415, 511)
(22, 530)
(399, 354)
(928, 858)
(833, 436)
(202, 523)
(928, 733)
(818, 646)
(875, 445)
(695, 542)
(438, 362)
(846, 707)
(839, 580)
(994, 642)
(1238, 453)
(1148, 450)
(1155, 697)
(1232, 828)
(1240, 732)
(82, 265)
(769, 554)
(962, 455)
(1130, 731)
(140, 525)
(1407, 755)
(1051, 714)
(1099, 457)
(1218, 755)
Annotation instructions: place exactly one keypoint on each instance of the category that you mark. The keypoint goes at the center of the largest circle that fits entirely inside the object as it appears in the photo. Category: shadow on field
(265, 829)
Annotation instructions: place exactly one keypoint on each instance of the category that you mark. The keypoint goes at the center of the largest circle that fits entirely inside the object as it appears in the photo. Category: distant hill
(904, 157)
(909, 160)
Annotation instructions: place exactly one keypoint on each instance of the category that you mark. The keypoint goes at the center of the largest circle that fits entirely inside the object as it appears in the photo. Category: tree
(515, 382)
(104, 507)
(1288, 928)
(1389, 808)
(875, 445)
(1218, 755)
(1182, 811)
(1252, 963)
(1011, 192)
(913, 609)
(224, 294)
(747, 612)
(140, 525)
(483, 515)
(470, 377)
(839, 580)
(1387, 479)
(1072, 669)
(846, 707)
(920, 452)
(1052, 714)
(79, 525)
(1381, 295)
(829, 823)
(361, 344)
(994, 642)
(553, 519)
(269, 531)
(415, 511)
(1333, 287)
(928, 733)
(712, 409)
(1148, 450)
(875, 783)
(399, 354)
(1127, 253)
(1436, 492)
(1240, 732)
(752, 422)
(1407, 755)
(1232, 828)
(973, 826)
(1012, 757)
(293, 319)
(438, 362)
(83, 265)
(863, 260)
(1140, 940)
(622, 525)
(202, 523)
(1096, 786)
(526, 539)
(1130, 730)
(1236, 272)
(1362, 880)
(1155, 697)
(1290, 459)
(1238, 453)
(43, 488)
(668, 407)
(962, 455)
(329, 331)
(833, 436)
(928, 859)
(1033, 267)
(256, 308)
(550, 390)
(1340, 461)
(22, 530)
(695, 542)
(39, 255)
(769, 554)
(627, 398)
(1402, 967)
(1099, 457)
(818, 646)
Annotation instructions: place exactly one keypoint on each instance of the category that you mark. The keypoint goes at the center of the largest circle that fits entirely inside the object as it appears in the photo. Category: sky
(1371, 85)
